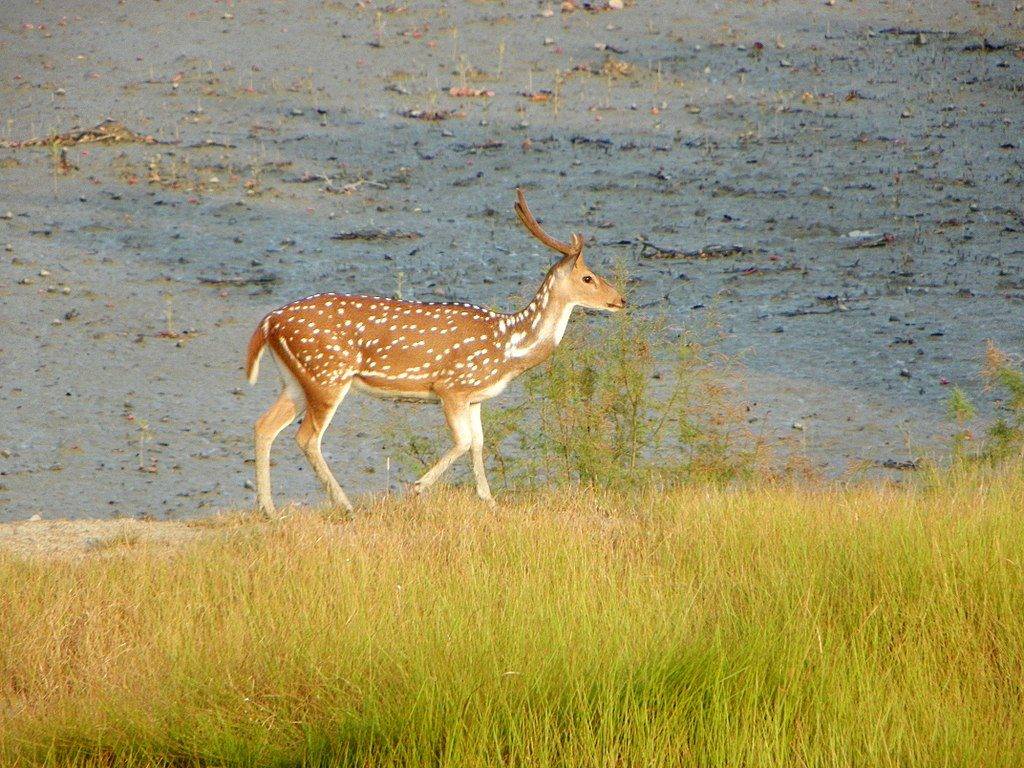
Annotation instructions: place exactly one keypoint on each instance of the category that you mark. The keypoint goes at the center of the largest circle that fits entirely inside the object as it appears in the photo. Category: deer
(454, 353)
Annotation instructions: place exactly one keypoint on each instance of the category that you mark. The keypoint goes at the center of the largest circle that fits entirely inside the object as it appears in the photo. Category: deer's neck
(535, 331)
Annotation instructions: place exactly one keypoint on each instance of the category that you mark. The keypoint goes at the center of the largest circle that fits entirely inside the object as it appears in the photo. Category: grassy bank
(764, 627)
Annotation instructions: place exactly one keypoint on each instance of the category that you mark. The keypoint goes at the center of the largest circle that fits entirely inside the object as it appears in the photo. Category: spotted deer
(457, 354)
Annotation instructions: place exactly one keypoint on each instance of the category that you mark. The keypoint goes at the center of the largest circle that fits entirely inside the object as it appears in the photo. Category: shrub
(1004, 437)
(624, 402)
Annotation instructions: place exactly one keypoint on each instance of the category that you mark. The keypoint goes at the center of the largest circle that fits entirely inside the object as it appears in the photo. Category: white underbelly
(492, 391)
(388, 393)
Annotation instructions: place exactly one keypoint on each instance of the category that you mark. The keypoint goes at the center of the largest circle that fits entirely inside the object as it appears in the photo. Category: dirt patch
(76, 538)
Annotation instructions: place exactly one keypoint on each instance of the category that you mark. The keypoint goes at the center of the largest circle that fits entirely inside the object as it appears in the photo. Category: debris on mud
(600, 141)
(863, 239)
(212, 144)
(901, 464)
(649, 250)
(376, 234)
(65, 166)
(264, 278)
(985, 46)
(431, 115)
(107, 132)
(475, 148)
(463, 92)
(913, 32)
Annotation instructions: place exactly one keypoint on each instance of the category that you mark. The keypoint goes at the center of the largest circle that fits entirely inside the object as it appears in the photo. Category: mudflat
(839, 184)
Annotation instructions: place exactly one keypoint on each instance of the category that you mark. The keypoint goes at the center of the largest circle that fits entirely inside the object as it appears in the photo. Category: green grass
(767, 626)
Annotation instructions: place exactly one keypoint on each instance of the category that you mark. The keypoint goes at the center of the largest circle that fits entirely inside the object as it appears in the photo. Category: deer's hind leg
(321, 406)
(288, 405)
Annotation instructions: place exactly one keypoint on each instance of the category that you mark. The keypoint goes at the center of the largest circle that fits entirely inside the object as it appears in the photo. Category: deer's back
(389, 344)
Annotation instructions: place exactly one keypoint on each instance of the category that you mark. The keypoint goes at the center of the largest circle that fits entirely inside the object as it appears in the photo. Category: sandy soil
(71, 539)
(131, 274)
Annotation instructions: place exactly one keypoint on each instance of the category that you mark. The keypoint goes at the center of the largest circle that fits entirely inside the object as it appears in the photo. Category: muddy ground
(132, 273)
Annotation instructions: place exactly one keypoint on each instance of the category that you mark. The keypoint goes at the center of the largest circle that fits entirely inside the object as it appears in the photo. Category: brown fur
(458, 353)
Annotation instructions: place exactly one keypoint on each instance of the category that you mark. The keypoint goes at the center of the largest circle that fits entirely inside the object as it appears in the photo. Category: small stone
(615, 5)
(35, 518)
(920, 39)
(798, 425)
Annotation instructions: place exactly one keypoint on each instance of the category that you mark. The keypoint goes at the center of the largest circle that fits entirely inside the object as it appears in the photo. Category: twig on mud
(985, 46)
(107, 132)
(649, 250)
(211, 143)
(871, 241)
(261, 279)
(901, 464)
(431, 115)
(352, 186)
(376, 234)
(913, 31)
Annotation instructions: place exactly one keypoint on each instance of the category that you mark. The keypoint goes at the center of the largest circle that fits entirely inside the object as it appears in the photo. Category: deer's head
(571, 279)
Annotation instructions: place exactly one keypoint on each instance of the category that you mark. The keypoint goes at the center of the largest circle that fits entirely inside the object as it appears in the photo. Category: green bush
(1004, 437)
(630, 405)
(624, 402)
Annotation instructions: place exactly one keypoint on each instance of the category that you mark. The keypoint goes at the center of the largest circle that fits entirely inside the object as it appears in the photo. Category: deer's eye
(588, 279)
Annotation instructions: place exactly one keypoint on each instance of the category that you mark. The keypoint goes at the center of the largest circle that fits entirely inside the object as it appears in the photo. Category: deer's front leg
(483, 489)
(458, 414)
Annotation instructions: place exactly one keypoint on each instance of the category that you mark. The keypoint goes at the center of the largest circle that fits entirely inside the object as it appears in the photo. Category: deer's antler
(575, 248)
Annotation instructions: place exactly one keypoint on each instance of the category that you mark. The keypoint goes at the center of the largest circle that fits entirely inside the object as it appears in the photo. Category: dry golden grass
(765, 626)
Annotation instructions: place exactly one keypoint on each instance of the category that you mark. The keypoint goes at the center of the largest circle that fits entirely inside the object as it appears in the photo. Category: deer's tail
(255, 352)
